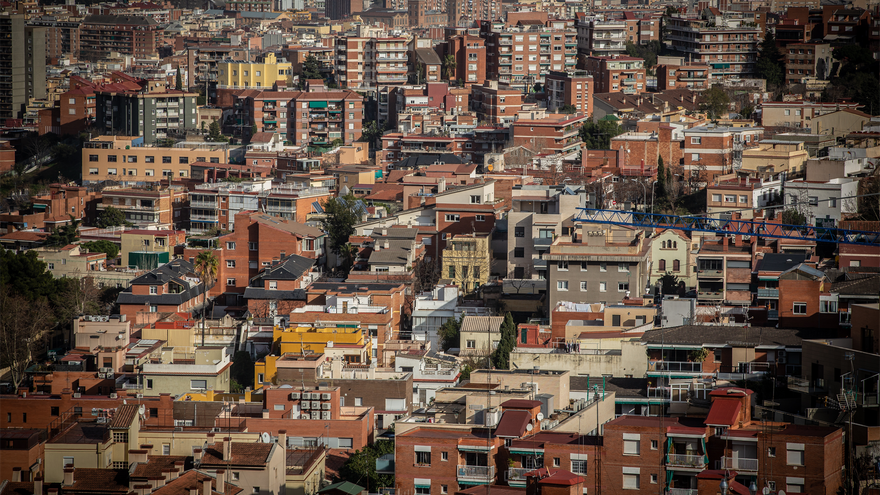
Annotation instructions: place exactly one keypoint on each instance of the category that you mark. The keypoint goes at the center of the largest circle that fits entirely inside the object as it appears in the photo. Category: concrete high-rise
(22, 64)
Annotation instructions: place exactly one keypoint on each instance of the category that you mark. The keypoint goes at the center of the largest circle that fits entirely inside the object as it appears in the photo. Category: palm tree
(206, 267)
(449, 65)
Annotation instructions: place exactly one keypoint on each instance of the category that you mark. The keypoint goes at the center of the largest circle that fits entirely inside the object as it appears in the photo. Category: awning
(422, 483)
(317, 104)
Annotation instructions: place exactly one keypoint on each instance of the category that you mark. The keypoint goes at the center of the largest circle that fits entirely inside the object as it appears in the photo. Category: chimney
(16, 474)
(387, 245)
(282, 438)
(221, 481)
(194, 491)
(178, 468)
(168, 473)
(197, 456)
(38, 485)
(206, 487)
(227, 449)
(738, 240)
(68, 475)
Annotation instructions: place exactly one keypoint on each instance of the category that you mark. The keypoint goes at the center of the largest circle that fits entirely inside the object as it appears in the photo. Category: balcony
(710, 273)
(739, 464)
(659, 392)
(676, 366)
(802, 385)
(203, 204)
(768, 293)
(476, 474)
(686, 461)
(682, 491)
(710, 295)
(202, 218)
(517, 475)
(543, 243)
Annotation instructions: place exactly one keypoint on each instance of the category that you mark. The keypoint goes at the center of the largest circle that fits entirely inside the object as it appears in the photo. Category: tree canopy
(215, 134)
(648, 52)
(339, 221)
(64, 235)
(716, 102)
(311, 69)
(770, 64)
(360, 468)
(857, 78)
(102, 246)
(597, 135)
(450, 333)
(111, 217)
(501, 354)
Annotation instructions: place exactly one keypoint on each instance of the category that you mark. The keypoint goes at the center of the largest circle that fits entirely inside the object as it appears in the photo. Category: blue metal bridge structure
(718, 226)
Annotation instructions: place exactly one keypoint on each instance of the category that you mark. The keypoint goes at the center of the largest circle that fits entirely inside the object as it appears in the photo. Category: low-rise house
(279, 288)
(258, 468)
(671, 254)
(181, 370)
(466, 261)
(479, 335)
(173, 287)
(774, 157)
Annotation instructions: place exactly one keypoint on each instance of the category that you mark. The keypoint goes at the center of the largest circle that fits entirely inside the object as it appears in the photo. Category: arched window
(676, 265)
(662, 265)
(675, 244)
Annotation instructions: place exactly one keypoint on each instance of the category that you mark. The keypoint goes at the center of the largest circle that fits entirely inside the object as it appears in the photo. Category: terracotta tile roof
(157, 465)
(243, 454)
(99, 480)
(19, 488)
(123, 416)
(513, 423)
(723, 412)
(520, 404)
(193, 479)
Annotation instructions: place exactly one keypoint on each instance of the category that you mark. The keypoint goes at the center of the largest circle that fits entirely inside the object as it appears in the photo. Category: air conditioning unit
(325, 406)
(113, 395)
(306, 396)
(102, 375)
(139, 396)
(325, 415)
(217, 430)
(294, 396)
(77, 395)
(781, 357)
(316, 415)
(316, 404)
(325, 396)
(110, 375)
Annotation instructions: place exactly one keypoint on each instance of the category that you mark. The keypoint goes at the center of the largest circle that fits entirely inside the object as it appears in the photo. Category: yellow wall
(254, 75)
(267, 368)
(480, 257)
(149, 161)
(297, 339)
(135, 242)
(173, 337)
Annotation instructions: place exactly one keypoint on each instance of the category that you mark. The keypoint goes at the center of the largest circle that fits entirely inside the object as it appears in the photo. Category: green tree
(23, 331)
(371, 133)
(669, 283)
(207, 266)
(242, 370)
(568, 109)
(715, 102)
(648, 52)
(597, 135)
(349, 253)
(64, 235)
(112, 217)
(360, 468)
(857, 78)
(339, 221)
(107, 247)
(661, 196)
(792, 216)
(311, 69)
(179, 80)
(770, 65)
(450, 334)
(337, 143)
(25, 275)
(501, 354)
(214, 133)
(449, 66)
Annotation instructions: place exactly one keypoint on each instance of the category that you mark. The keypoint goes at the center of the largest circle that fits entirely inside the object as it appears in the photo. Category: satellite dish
(766, 490)
(540, 416)
(142, 410)
(781, 492)
(530, 427)
(265, 438)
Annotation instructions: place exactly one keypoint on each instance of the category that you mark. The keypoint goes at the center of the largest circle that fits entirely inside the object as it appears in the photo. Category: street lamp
(652, 194)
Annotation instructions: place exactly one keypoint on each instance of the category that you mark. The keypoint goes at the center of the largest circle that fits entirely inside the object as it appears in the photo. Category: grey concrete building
(22, 64)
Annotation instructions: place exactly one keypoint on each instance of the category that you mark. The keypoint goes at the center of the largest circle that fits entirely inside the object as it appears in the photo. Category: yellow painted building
(772, 157)
(254, 74)
(345, 342)
(466, 261)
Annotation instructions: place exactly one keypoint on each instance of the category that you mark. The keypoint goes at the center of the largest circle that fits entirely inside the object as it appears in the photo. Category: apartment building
(147, 248)
(728, 45)
(147, 208)
(62, 35)
(398, 147)
(169, 288)
(811, 59)
(570, 89)
(135, 35)
(826, 206)
(276, 289)
(269, 72)
(539, 214)
(771, 157)
(601, 38)
(371, 61)
(617, 74)
(128, 161)
(555, 133)
(724, 271)
(22, 64)
(692, 76)
(520, 56)
(467, 261)
(710, 150)
(63, 201)
(76, 109)
(495, 103)
(470, 54)
(599, 265)
(152, 111)
(799, 113)
(732, 196)
(467, 209)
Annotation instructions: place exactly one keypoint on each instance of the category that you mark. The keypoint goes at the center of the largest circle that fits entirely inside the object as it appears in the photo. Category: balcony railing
(710, 273)
(543, 242)
(659, 392)
(710, 295)
(768, 293)
(203, 218)
(517, 474)
(798, 384)
(679, 366)
(739, 464)
(682, 491)
(203, 204)
(476, 473)
(686, 460)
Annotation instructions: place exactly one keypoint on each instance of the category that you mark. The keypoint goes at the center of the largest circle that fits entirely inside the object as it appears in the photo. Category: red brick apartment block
(470, 58)
(64, 201)
(22, 454)
(556, 133)
(709, 149)
(41, 411)
(569, 89)
(496, 104)
(691, 76)
(640, 151)
(617, 74)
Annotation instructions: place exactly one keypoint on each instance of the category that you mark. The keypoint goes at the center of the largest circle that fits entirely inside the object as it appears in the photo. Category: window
(623, 267)
(444, 456)
(53, 411)
(230, 282)
(519, 252)
(603, 267)
(230, 263)
(93, 158)
(481, 218)
(183, 160)
(695, 157)
(358, 401)
(556, 462)
(743, 198)
(771, 452)
(584, 266)
(166, 449)
(562, 285)
(562, 266)
(794, 485)
(236, 476)
(716, 198)
(676, 265)
(828, 306)
(799, 308)
(93, 171)
(444, 489)
(452, 218)
(653, 479)
(519, 231)
(661, 265)
(696, 140)
(603, 287)
(631, 445)
(423, 458)
(66, 461)
(471, 344)
(729, 198)
(583, 286)
(256, 489)
(51, 266)
(630, 480)
(794, 454)
(475, 199)
(451, 272)
(252, 246)
(111, 171)
(579, 466)
(622, 286)
(149, 382)
(198, 384)
(230, 245)
(154, 290)
(423, 490)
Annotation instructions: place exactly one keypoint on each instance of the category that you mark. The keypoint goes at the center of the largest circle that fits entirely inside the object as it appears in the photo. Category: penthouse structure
(730, 48)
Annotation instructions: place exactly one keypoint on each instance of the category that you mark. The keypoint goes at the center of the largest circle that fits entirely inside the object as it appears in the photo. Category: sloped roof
(490, 324)
(780, 262)
(295, 228)
(866, 286)
(723, 412)
(428, 56)
(344, 486)
(513, 423)
(242, 454)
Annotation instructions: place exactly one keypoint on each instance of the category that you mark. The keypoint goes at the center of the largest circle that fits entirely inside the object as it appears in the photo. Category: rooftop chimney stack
(227, 449)
(68, 475)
